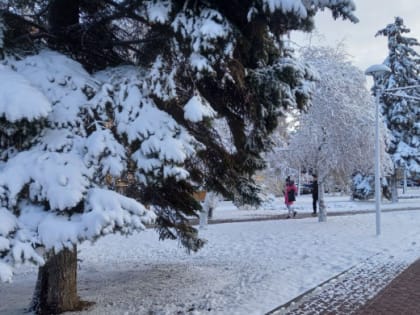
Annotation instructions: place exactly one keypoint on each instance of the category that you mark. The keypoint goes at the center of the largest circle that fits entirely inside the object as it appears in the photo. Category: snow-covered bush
(362, 186)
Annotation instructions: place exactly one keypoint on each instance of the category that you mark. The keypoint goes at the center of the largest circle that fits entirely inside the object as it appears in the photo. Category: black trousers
(314, 201)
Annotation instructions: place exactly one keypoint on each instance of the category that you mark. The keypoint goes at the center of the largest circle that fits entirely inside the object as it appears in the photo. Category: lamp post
(375, 71)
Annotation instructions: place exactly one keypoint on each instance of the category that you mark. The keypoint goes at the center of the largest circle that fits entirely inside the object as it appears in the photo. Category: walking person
(290, 197)
(314, 195)
(283, 185)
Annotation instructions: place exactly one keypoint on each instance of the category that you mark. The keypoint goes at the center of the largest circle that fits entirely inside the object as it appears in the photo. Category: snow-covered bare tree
(273, 177)
(336, 135)
(97, 91)
(400, 107)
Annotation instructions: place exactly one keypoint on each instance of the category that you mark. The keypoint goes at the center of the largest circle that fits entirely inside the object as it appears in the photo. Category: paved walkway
(401, 296)
(347, 292)
(370, 288)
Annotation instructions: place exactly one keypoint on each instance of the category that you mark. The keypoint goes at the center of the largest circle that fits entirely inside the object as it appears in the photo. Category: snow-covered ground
(246, 267)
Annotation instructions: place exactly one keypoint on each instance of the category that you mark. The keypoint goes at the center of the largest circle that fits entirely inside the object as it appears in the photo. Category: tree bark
(322, 213)
(56, 286)
(63, 22)
(62, 14)
(394, 190)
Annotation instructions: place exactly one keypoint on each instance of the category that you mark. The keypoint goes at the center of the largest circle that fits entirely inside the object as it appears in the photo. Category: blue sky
(359, 39)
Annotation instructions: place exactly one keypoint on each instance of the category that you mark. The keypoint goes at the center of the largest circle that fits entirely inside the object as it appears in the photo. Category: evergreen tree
(103, 91)
(401, 108)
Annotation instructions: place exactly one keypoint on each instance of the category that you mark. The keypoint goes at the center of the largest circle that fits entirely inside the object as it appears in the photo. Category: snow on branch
(300, 8)
(19, 99)
(286, 6)
(164, 144)
(57, 178)
(204, 34)
(53, 189)
(158, 11)
(105, 212)
(197, 108)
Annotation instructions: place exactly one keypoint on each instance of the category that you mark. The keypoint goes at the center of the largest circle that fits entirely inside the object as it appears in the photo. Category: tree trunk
(322, 213)
(63, 20)
(56, 286)
(394, 190)
(62, 14)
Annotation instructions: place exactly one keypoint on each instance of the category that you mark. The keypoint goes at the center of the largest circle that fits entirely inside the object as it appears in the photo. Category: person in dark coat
(314, 194)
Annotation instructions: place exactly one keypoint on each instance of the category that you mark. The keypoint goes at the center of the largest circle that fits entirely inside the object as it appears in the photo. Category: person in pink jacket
(290, 197)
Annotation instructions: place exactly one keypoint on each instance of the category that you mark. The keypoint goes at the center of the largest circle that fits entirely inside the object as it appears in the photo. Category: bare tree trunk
(63, 14)
(394, 190)
(56, 286)
(405, 181)
(322, 213)
(63, 20)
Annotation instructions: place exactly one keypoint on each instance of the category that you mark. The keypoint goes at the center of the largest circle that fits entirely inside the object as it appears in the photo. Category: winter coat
(286, 194)
(315, 190)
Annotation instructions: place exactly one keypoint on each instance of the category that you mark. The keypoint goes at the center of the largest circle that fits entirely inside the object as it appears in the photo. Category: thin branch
(25, 21)
(402, 88)
(134, 41)
(32, 36)
(403, 96)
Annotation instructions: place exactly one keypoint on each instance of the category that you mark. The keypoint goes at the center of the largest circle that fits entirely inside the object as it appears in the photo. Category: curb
(300, 216)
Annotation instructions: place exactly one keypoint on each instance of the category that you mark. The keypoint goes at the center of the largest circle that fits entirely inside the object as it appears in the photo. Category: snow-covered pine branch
(52, 188)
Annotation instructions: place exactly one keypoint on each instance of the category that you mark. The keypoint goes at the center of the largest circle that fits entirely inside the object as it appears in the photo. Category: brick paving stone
(350, 291)
(401, 296)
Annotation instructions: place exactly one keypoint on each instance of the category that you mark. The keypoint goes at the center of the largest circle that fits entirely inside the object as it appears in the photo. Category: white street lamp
(375, 71)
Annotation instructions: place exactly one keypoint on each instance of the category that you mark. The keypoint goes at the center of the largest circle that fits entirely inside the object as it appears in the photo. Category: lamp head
(376, 70)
